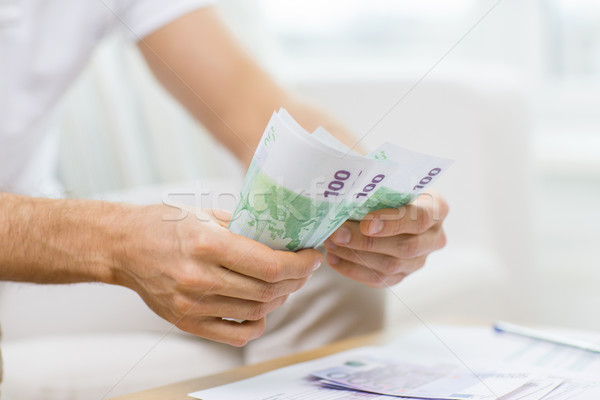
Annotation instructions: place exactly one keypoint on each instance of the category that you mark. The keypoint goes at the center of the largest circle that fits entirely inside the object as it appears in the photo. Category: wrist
(89, 236)
(123, 230)
(138, 237)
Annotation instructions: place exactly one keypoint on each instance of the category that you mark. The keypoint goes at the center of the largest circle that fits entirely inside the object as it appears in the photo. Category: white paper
(468, 349)
(289, 383)
(483, 348)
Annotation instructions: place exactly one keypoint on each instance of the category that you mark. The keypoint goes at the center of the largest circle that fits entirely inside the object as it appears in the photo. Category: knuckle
(204, 243)
(213, 284)
(186, 325)
(184, 281)
(411, 247)
(247, 333)
(181, 305)
(239, 340)
(187, 277)
(268, 293)
(272, 271)
(369, 243)
(182, 276)
(257, 311)
(392, 265)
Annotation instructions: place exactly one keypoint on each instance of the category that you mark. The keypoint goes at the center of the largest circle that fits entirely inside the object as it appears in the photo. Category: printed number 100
(425, 181)
(337, 184)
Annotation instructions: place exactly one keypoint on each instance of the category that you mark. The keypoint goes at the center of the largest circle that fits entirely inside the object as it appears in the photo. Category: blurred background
(509, 89)
(521, 81)
(550, 51)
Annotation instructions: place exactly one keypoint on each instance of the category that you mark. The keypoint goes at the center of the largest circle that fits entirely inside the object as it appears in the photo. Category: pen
(506, 327)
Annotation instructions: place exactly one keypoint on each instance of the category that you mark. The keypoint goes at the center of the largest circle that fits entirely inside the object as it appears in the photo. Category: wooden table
(179, 391)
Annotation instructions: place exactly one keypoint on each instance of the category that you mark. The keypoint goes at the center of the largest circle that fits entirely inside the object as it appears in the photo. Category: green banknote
(300, 187)
(384, 197)
(274, 215)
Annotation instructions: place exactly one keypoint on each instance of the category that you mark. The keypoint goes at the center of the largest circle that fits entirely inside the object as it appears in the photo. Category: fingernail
(342, 236)
(333, 259)
(329, 245)
(375, 226)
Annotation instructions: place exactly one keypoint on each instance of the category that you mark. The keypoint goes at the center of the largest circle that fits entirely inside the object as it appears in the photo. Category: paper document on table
(490, 350)
(290, 383)
(548, 371)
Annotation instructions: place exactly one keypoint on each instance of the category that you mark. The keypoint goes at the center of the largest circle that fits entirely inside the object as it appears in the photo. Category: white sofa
(482, 122)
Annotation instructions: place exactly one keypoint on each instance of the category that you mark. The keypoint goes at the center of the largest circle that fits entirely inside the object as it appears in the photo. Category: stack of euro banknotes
(300, 187)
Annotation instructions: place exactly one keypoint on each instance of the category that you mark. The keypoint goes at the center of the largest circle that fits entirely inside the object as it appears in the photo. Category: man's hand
(193, 272)
(389, 244)
(189, 269)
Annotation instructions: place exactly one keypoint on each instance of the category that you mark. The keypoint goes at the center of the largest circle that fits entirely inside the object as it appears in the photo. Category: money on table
(378, 375)
(300, 187)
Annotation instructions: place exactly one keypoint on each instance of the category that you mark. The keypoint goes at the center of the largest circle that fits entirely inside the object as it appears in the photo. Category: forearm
(58, 241)
(201, 64)
(249, 112)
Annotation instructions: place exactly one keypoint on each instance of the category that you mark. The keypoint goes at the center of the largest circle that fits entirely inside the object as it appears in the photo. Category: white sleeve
(140, 18)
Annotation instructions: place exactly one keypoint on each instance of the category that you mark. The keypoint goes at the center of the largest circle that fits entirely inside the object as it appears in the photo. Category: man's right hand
(193, 272)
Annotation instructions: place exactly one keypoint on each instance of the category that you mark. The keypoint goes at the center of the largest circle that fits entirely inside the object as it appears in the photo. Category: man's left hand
(389, 244)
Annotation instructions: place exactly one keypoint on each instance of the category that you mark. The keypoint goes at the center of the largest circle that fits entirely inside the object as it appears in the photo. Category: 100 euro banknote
(300, 187)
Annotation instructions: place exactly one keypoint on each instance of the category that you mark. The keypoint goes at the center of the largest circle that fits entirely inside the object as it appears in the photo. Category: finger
(428, 210)
(230, 307)
(363, 274)
(228, 283)
(250, 258)
(219, 330)
(350, 235)
(384, 264)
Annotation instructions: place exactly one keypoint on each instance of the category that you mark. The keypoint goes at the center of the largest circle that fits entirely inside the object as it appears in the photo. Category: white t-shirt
(43, 46)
